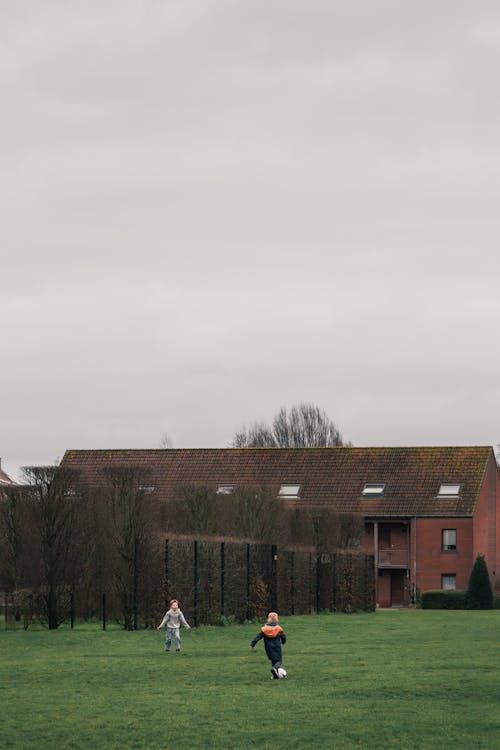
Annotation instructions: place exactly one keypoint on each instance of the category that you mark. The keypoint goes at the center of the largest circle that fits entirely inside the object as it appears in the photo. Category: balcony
(393, 558)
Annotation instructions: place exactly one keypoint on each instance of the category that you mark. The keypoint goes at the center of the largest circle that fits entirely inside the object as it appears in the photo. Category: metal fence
(214, 580)
(243, 581)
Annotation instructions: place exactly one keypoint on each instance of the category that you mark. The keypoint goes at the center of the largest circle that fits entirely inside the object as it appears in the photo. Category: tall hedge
(479, 592)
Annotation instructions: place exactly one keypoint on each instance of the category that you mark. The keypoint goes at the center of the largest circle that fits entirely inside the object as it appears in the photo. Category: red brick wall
(496, 576)
(486, 522)
(432, 562)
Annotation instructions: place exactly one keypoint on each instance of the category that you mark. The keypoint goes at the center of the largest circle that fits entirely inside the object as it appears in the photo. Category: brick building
(5, 480)
(428, 511)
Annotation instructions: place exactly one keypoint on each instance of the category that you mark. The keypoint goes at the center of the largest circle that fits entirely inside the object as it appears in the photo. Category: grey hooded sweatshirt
(174, 619)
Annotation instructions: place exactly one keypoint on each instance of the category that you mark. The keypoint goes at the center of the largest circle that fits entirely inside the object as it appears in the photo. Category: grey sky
(212, 209)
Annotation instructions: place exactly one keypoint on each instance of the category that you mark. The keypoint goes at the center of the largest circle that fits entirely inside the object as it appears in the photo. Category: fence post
(196, 583)
(72, 610)
(104, 611)
(318, 582)
(167, 582)
(249, 614)
(310, 583)
(292, 581)
(274, 576)
(135, 613)
(222, 576)
(334, 581)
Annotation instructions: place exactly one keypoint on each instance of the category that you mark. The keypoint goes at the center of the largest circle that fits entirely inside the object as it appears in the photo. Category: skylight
(449, 490)
(225, 489)
(289, 490)
(373, 489)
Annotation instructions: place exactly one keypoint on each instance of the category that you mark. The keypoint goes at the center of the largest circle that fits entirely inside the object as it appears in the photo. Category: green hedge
(444, 599)
(449, 599)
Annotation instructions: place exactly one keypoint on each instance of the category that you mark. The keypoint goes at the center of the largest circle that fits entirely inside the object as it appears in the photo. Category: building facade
(428, 512)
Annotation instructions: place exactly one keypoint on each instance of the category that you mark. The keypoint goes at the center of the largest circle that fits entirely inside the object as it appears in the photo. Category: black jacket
(273, 637)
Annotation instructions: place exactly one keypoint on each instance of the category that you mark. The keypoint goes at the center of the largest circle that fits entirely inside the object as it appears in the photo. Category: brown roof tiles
(327, 476)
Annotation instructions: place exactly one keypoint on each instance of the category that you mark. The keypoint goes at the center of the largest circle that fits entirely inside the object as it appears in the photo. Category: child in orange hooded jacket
(273, 636)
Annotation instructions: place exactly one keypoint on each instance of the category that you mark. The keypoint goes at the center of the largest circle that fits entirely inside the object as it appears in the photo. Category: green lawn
(394, 679)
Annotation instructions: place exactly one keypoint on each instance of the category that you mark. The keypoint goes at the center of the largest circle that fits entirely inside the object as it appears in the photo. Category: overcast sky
(211, 209)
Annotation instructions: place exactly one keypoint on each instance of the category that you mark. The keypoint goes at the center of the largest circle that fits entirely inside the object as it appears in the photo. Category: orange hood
(271, 631)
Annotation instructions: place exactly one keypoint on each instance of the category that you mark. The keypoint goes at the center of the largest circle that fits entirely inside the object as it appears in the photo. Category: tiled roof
(5, 480)
(327, 476)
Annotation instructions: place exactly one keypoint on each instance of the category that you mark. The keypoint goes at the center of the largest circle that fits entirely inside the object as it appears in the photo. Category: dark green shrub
(479, 591)
(225, 621)
(496, 601)
(444, 599)
(454, 599)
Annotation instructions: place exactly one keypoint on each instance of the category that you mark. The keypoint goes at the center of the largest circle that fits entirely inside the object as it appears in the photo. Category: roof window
(447, 489)
(225, 489)
(373, 489)
(289, 490)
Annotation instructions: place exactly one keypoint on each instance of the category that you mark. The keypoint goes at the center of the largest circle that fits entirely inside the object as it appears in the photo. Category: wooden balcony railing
(397, 558)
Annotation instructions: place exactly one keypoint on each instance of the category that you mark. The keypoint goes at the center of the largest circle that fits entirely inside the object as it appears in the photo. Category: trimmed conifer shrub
(479, 592)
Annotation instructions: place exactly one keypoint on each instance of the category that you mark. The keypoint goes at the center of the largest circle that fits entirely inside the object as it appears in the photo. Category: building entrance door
(397, 589)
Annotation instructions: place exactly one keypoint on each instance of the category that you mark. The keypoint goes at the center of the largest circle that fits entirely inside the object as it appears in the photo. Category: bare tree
(258, 435)
(249, 513)
(303, 426)
(258, 514)
(165, 441)
(11, 535)
(52, 494)
(193, 510)
(16, 545)
(132, 517)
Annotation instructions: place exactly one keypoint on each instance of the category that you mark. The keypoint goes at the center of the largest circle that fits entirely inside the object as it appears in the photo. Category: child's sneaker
(274, 673)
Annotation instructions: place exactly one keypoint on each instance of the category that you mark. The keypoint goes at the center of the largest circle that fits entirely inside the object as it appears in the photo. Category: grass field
(394, 679)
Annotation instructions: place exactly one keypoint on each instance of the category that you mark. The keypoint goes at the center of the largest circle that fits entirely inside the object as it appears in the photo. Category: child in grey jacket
(173, 620)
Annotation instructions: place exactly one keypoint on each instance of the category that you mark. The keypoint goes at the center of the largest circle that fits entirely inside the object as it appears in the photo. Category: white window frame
(373, 489)
(447, 535)
(289, 490)
(225, 489)
(146, 488)
(449, 489)
(448, 581)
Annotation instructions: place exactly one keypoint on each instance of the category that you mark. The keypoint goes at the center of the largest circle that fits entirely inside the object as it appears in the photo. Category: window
(449, 540)
(353, 541)
(289, 490)
(449, 490)
(449, 581)
(373, 489)
(225, 489)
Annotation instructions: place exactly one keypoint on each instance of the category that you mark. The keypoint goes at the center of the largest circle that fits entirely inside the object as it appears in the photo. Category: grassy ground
(394, 679)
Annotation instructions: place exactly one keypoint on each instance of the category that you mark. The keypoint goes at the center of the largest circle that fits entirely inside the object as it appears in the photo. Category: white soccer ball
(281, 673)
